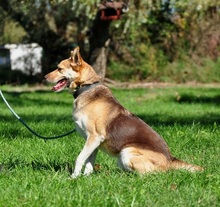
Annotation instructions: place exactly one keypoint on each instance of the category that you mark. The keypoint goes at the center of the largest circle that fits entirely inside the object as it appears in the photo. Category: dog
(107, 125)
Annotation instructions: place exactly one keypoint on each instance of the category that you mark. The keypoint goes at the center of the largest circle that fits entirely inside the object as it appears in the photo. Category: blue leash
(31, 130)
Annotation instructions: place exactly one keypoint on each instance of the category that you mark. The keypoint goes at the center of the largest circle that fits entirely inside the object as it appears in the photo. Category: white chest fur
(81, 123)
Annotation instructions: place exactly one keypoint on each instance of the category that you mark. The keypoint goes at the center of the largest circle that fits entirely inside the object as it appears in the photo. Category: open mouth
(61, 84)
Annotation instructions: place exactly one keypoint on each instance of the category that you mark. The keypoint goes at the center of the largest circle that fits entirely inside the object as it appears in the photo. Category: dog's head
(71, 73)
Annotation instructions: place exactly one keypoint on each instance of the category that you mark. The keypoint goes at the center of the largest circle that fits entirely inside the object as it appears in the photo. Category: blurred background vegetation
(156, 40)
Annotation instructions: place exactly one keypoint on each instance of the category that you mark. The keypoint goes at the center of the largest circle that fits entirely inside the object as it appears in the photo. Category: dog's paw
(75, 175)
(87, 173)
(88, 170)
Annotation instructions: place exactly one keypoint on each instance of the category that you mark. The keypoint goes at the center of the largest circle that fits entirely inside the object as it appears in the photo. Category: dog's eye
(59, 69)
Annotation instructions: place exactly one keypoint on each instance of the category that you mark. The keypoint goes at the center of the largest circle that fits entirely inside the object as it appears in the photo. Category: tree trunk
(99, 42)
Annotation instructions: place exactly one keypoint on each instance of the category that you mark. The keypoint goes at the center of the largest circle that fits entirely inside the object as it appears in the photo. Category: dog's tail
(179, 164)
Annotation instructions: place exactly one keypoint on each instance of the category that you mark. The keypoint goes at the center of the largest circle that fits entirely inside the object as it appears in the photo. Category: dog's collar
(84, 88)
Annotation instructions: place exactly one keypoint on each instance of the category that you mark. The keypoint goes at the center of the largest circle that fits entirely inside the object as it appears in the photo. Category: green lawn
(35, 173)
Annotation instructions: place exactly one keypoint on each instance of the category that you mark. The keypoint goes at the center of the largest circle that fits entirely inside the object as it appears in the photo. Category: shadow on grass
(156, 119)
(14, 99)
(169, 120)
(38, 118)
(54, 166)
(189, 98)
(36, 165)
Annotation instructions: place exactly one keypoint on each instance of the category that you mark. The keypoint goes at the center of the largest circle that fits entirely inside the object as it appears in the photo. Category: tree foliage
(151, 35)
(55, 25)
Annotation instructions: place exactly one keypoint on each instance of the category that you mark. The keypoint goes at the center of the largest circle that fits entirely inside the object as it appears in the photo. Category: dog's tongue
(60, 84)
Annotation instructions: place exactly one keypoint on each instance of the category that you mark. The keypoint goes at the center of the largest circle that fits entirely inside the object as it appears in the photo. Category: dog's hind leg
(142, 161)
(89, 166)
(132, 160)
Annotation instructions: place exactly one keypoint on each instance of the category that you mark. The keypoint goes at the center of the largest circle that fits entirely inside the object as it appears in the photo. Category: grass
(154, 66)
(34, 172)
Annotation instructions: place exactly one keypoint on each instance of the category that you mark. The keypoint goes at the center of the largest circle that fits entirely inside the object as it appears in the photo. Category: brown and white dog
(107, 125)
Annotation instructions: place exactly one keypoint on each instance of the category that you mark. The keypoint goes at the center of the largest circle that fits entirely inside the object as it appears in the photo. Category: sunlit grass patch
(34, 172)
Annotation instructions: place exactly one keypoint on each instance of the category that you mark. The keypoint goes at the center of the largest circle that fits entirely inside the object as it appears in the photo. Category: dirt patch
(129, 85)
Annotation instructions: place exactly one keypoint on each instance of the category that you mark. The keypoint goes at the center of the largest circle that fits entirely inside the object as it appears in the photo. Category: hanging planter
(111, 10)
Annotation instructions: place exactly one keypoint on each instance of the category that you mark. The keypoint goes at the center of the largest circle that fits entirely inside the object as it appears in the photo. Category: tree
(100, 37)
(59, 25)
(52, 24)
(150, 36)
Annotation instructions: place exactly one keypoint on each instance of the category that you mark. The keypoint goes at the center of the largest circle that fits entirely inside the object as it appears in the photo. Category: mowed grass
(34, 172)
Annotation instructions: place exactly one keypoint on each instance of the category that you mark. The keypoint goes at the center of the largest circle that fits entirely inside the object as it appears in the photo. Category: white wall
(26, 57)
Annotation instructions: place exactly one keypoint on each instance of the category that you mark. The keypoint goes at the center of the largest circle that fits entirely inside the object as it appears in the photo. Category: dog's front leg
(91, 145)
(90, 163)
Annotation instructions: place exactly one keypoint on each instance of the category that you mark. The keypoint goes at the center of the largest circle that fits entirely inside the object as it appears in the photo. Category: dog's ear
(76, 59)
